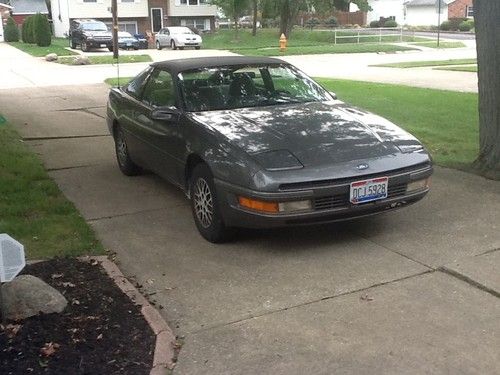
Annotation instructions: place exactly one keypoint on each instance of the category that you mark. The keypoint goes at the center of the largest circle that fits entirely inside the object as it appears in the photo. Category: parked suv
(90, 34)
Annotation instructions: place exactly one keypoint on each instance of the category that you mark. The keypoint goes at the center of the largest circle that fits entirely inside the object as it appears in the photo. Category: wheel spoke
(203, 202)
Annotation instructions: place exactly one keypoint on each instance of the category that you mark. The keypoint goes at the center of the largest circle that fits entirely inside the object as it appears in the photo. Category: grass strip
(32, 208)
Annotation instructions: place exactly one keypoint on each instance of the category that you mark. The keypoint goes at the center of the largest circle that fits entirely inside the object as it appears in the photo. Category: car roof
(181, 65)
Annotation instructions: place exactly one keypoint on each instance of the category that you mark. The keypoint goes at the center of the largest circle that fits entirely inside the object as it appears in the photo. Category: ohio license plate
(368, 190)
(103, 45)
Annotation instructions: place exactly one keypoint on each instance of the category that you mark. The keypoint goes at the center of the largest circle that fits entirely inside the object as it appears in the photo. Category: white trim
(151, 15)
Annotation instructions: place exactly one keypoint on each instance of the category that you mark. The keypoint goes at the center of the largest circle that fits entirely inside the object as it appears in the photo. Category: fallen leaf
(57, 275)
(68, 285)
(11, 330)
(75, 302)
(99, 337)
(150, 281)
(49, 349)
(94, 262)
(366, 297)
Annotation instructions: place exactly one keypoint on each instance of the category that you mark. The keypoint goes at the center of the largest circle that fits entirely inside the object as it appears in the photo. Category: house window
(90, 1)
(191, 2)
(197, 23)
(127, 1)
(128, 26)
(469, 11)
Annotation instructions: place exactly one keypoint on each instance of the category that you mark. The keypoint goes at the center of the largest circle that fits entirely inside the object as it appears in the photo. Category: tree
(27, 30)
(486, 16)
(233, 9)
(255, 8)
(11, 31)
(41, 30)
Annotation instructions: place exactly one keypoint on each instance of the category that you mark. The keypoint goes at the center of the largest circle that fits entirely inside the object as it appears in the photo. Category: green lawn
(33, 209)
(108, 59)
(419, 64)
(433, 44)
(266, 43)
(115, 81)
(445, 121)
(465, 68)
(332, 48)
(58, 47)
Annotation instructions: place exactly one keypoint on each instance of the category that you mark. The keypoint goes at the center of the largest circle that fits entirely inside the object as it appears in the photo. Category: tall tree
(487, 25)
(233, 9)
(255, 8)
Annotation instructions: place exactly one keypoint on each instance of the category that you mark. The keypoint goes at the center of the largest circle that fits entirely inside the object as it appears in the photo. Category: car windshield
(124, 34)
(180, 30)
(95, 26)
(251, 86)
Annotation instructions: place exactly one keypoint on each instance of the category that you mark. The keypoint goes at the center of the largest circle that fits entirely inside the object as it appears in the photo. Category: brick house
(461, 9)
(21, 9)
(193, 13)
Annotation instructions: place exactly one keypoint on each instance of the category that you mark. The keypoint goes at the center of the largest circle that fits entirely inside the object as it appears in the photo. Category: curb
(164, 354)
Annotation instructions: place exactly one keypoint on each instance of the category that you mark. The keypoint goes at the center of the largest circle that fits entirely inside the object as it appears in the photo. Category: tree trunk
(487, 14)
(254, 25)
(288, 13)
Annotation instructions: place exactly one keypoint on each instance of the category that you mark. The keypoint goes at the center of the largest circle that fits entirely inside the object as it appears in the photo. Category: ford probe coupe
(254, 142)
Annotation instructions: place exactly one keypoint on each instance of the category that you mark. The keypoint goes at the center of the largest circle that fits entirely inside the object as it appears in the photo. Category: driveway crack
(469, 281)
(326, 298)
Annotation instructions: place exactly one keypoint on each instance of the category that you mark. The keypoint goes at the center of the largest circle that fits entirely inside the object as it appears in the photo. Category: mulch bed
(100, 332)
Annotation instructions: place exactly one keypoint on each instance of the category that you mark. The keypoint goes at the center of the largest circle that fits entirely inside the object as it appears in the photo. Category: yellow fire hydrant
(283, 42)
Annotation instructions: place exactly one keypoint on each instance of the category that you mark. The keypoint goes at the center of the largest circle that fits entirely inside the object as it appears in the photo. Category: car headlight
(408, 149)
(277, 160)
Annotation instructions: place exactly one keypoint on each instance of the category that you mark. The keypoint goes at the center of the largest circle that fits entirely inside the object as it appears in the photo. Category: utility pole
(439, 20)
(114, 12)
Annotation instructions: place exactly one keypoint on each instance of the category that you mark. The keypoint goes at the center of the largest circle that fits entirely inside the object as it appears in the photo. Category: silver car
(177, 37)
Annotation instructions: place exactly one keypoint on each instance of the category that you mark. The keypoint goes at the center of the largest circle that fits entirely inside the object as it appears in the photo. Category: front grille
(341, 181)
(342, 200)
(103, 38)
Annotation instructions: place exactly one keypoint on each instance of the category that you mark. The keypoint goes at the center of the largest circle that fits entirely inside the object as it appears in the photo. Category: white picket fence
(364, 35)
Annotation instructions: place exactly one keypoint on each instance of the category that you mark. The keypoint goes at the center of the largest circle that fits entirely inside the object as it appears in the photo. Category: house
(133, 14)
(4, 14)
(21, 9)
(419, 12)
(193, 13)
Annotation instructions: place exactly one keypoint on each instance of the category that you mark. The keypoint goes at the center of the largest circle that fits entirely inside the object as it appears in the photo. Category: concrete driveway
(414, 291)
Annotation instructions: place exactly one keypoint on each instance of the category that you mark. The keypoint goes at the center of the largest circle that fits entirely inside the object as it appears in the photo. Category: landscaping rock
(51, 57)
(81, 60)
(28, 295)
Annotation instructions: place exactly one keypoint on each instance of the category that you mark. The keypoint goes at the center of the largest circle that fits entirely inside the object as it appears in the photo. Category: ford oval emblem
(361, 167)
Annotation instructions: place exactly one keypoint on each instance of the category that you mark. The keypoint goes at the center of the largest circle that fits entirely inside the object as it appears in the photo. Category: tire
(205, 207)
(73, 44)
(125, 163)
(110, 49)
(197, 47)
(172, 45)
(181, 48)
(85, 47)
(158, 45)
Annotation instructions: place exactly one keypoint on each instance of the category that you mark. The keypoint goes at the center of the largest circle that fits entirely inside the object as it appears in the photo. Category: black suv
(90, 34)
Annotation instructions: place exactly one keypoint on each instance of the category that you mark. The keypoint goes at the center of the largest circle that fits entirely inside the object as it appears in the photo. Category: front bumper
(329, 203)
(92, 43)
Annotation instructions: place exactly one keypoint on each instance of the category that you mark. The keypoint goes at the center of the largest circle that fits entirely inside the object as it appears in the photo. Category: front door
(156, 19)
(163, 138)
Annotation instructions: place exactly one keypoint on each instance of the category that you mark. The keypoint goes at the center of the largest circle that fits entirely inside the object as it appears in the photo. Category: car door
(168, 37)
(164, 140)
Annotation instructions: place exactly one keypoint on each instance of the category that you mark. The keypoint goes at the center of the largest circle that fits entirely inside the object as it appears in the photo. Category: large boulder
(81, 60)
(28, 295)
(51, 57)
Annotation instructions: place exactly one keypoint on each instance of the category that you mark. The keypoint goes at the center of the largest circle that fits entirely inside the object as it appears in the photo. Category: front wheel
(85, 46)
(125, 163)
(158, 45)
(197, 47)
(172, 45)
(205, 208)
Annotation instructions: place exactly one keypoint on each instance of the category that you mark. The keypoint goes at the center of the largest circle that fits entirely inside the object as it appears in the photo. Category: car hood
(97, 33)
(310, 134)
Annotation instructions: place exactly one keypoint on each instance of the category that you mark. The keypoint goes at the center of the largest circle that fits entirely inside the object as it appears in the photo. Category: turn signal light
(255, 205)
(417, 185)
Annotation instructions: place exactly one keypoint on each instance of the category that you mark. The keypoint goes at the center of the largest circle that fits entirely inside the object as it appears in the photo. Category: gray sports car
(254, 142)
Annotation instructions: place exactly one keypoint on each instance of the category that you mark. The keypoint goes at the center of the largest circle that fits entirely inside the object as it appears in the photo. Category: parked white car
(177, 37)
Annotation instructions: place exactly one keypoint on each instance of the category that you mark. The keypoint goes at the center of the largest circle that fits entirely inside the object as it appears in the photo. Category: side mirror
(169, 114)
(333, 95)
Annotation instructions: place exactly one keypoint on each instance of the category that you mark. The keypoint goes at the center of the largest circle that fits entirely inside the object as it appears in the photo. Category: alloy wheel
(121, 149)
(203, 202)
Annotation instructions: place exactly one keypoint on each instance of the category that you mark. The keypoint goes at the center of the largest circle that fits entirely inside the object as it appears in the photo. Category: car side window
(159, 90)
(134, 88)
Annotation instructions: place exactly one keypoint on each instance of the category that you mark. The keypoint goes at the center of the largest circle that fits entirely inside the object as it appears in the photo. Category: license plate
(129, 44)
(368, 190)
(103, 45)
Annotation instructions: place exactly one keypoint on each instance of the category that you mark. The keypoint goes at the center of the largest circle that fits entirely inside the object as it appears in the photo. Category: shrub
(445, 26)
(27, 30)
(312, 23)
(11, 31)
(375, 24)
(390, 23)
(464, 26)
(41, 30)
(470, 22)
(332, 22)
(455, 22)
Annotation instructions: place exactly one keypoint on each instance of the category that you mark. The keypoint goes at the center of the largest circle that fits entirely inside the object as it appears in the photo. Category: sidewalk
(23, 70)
